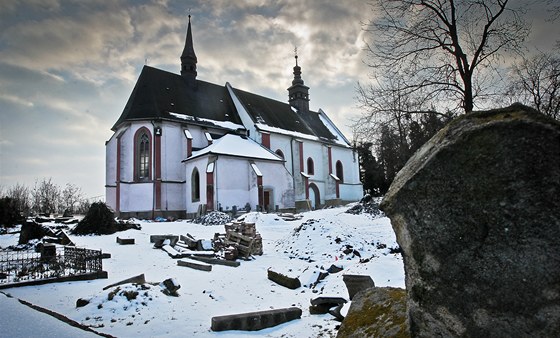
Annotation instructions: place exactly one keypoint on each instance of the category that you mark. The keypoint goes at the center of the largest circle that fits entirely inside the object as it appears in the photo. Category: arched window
(339, 171)
(280, 153)
(195, 185)
(310, 166)
(142, 155)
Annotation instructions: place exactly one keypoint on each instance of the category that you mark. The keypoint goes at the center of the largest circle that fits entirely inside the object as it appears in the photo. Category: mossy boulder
(376, 312)
(476, 212)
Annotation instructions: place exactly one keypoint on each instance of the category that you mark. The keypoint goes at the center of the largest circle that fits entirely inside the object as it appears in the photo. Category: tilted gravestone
(476, 212)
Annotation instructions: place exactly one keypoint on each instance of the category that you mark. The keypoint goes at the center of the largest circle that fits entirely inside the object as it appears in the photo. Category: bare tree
(537, 80)
(20, 195)
(446, 49)
(71, 198)
(45, 196)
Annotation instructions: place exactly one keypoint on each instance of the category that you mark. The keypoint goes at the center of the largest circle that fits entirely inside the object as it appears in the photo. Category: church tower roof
(188, 57)
(298, 93)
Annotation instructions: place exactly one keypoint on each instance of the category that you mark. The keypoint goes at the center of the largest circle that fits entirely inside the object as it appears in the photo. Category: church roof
(159, 94)
(266, 111)
(237, 146)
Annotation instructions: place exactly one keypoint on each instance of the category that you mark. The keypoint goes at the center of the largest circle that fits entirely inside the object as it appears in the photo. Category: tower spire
(188, 57)
(298, 93)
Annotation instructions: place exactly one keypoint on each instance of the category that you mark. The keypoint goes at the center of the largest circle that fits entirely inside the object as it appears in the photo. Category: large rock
(376, 312)
(476, 212)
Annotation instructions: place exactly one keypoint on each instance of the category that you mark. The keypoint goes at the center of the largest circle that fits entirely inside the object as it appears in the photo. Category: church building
(183, 146)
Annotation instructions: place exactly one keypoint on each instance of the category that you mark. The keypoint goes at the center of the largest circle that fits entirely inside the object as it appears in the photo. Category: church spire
(188, 58)
(298, 93)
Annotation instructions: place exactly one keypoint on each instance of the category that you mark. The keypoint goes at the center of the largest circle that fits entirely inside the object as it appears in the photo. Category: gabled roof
(276, 114)
(158, 93)
(237, 146)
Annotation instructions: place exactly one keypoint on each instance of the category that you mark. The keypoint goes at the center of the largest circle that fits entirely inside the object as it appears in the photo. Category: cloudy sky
(67, 67)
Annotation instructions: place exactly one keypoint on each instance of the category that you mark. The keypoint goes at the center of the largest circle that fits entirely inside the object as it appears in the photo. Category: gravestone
(476, 212)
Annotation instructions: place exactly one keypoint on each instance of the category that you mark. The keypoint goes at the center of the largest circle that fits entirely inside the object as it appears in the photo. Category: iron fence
(51, 262)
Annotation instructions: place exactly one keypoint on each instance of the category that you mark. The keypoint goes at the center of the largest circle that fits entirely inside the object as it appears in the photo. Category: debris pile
(213, 218)
(367, 205)
(241, 240)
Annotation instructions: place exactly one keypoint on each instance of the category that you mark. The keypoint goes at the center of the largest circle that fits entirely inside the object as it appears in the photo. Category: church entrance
(314, 197)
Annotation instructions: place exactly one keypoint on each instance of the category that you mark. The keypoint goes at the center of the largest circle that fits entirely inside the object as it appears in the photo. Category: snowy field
(300, 248)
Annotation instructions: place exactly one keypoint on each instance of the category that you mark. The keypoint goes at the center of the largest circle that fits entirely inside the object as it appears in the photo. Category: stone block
(357, 283)
(254, 321)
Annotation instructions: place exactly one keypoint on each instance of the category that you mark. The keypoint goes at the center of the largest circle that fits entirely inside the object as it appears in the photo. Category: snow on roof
(234, 145)
(269, 129)
(256, 170)
(223, 124)
(332, 128)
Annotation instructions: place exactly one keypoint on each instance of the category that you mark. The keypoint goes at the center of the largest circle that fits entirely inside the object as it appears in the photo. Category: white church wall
(278, 179)
(232, 182)
(283, 143)
(173, 196)
(200, 164)
(111, 172)
(137, 197)
(173, 144)
(351, 189)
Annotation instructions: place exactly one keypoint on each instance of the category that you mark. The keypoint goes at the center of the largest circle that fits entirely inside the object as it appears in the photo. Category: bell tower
(188, 58)
(298, 93)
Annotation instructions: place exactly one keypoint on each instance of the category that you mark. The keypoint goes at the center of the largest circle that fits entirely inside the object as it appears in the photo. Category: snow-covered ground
(300, 248)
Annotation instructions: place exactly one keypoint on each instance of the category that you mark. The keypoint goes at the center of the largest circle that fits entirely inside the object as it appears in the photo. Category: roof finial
(295, 52)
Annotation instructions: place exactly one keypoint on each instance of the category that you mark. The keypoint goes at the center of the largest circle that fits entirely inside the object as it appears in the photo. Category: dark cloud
(67, 67)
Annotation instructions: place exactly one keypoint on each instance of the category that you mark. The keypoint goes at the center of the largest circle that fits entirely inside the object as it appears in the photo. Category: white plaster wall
(350, 164)
(200, 163)
(277, 177)
(111, 172)
(282, 142)
(233, 184)
(111, 197)
(173, 196)
(173, 144)
(137, 197)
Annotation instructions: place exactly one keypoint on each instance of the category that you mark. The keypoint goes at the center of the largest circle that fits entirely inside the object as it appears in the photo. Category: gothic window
(310, 166)
(195, 185)
(339, 171)
(142, 156)
(280, 153)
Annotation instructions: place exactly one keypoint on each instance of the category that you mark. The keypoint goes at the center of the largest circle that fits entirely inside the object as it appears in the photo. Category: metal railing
(51, 262)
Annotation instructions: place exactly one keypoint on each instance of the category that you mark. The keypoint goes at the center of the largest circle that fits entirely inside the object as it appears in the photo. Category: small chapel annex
(183, 146)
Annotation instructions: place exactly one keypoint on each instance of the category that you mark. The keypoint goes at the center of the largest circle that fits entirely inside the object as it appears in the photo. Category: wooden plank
(194, 265)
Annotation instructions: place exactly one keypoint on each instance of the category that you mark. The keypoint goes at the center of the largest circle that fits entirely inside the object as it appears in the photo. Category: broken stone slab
(189, 240)
(81, 302)
(322, 305)
(254, 321)
(171, 287)
(336, 312)
(125, 241)
(140, 279)
(289, 282)
(172, 252)
(376, 312)
(105, 255)
(476, 213)
(357, 283)
(335, 268)
(195, 265)
(160, 238)
(216, 261)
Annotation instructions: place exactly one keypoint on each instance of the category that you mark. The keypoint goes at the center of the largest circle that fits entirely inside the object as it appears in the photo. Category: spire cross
(295, 52)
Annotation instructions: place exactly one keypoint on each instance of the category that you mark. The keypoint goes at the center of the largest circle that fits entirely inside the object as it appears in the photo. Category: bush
(10, 214)
(99, 220)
